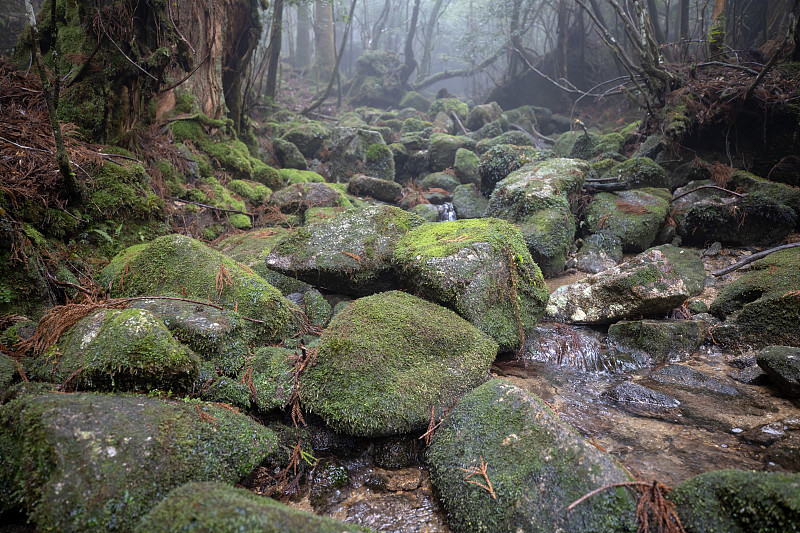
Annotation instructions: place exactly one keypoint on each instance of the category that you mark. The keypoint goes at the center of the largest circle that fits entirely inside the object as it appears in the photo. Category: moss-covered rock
(502, 160)
(738, 501)
(175, 265)
(218, 508)
(379, 161)
(634, 217)
(467, 167)
(468, 202)
(92, 462)
(599, 251)
(254, 192)
(639, 172)
(782, 365)
(650, 284)
(352, 253)
(296, 199)
(308, 137)
(536, 465)
(514, 138)
(764, 304)
(268, 377)
(349, 150)
(582, 145)
(387, 360)
(415, 100)
(658, 341)
(443, 150)
(536, 198)
(379, 189)
(481, 269)
(448, 106)
(480, 115)
(440, 180)
(8, 372)
(292, 176)
(289, 155)
(122, 350)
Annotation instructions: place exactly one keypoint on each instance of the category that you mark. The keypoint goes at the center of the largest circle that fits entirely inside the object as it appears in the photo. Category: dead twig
(481, 470)
(734, 193)
(750, 258)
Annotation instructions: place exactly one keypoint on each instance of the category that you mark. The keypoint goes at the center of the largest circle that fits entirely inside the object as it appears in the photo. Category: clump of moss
(502, 160)
(448, 106)
(255, 193)
(386, 360)
(292, 176)
(587, 145)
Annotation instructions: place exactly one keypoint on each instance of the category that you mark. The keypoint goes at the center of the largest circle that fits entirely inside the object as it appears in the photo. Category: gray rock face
(104, 461)
(782, 364)
(352, 253)
(536, 465)
(468, 202)
(636, 396)
(599, 252)
(650, 284)
(298, 197)
(387, 360)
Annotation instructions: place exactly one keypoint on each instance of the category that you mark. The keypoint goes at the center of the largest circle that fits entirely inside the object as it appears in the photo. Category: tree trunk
(324, 45)
(51, 96)
(428, 39)
(408, 50)
(716, 34)
(653, 11)
(274, 50)
(684, 23)
(379, 26)
(302, 50)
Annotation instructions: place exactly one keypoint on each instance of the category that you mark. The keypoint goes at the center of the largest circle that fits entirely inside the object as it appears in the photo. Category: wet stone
(394, 453)
(632, 393)
(686, 377)
(752, 375)
(766, 434)
(782, 364)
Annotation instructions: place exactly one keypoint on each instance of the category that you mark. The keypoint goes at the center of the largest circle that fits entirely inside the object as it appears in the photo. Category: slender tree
(302, 50)
(324, 45)
(51, 96)
(274, 50)
(410, 64)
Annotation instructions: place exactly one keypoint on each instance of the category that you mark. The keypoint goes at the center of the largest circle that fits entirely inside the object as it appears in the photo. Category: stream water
(706, 421)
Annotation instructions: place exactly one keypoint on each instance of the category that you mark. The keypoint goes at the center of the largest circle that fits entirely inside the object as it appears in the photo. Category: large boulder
(479, 268)
(307, 137)
(502, 160)
(349, 148)
(481, 115)
(535, 465)
(535, 198)
(207, 507)
(738, 501)
(632, 217)
(582, 145)
(389, 362)
(121, 350)
(443, 149)
(650, 284)
(93, 462)
(659, 341)
(352, 253)
(179, 266)
(468, 202)
(639, 172)
(379, 189)
(762, 307)
(297, 198)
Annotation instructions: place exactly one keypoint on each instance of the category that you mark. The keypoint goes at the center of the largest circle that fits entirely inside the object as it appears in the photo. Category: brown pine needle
(480, 470)
(353, 256)
(222, 279)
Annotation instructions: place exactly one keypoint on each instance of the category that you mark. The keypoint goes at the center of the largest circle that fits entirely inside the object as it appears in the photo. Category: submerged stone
(479, 268)
(387, 360)
(684, 376)
(535, 464)
(94, 462)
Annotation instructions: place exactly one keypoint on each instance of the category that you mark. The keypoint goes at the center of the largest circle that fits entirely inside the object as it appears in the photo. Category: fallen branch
(458, 121)
(750, 258)
(734, 193)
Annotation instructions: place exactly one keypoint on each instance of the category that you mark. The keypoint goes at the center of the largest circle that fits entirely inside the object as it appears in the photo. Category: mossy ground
(387, 359)
(92, 462)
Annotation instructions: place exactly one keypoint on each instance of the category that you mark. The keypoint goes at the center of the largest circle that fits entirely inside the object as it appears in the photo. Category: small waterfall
(446, 212)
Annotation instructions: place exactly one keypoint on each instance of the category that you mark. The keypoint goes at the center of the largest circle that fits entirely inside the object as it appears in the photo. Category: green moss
(292, 176)
(269, 371)
(639, 172)
(240, 221)
(8, 372)
(122, 190)
(448, 106)
(223, 509)
(93, 462)
(634, 217)
(502, 160)
(119, 350)
(386, 360)
(737, 501)
(184, 102)
(255, 193)
(587, 145)
(175, 265)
